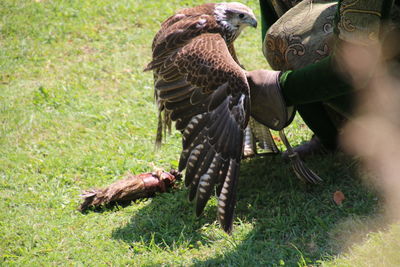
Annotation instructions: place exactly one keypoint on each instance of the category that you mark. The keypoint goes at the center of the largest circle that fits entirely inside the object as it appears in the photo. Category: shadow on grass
(292, 222)
(165, 222)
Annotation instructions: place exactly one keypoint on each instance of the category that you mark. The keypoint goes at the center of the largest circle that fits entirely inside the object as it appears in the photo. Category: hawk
(200, 84)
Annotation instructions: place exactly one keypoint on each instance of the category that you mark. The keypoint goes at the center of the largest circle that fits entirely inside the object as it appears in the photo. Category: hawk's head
(235, 16)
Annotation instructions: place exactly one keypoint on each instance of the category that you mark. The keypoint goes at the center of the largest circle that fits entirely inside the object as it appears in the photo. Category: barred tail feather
(227, 197)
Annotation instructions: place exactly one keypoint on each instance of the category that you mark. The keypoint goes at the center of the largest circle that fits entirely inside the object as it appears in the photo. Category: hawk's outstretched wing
(207, 94)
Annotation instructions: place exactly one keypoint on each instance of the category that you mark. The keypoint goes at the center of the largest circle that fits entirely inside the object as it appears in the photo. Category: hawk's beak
(253, 22)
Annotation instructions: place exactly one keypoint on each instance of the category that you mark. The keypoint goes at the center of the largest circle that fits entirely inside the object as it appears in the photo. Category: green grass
(76, 111)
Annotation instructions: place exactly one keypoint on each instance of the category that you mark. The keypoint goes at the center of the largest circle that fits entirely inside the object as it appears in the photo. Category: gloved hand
(268, 105)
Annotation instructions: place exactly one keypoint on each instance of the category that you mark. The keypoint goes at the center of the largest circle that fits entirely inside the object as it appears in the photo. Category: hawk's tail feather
(168, 122)
(159, 130)
(164, 123)
(263, 136)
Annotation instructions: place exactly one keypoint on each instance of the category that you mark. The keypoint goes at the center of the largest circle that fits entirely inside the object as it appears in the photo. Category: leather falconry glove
(268, 107)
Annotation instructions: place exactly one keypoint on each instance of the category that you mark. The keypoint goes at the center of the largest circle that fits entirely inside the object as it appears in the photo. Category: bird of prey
(200, 84)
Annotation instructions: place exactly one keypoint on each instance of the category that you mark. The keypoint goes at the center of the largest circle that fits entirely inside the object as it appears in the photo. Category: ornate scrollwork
(328, 26)
(354, 16)
(280, 47)
(301, 36)
(295, 47)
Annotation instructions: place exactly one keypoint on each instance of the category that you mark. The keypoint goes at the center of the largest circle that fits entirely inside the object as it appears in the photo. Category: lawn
(77, 112)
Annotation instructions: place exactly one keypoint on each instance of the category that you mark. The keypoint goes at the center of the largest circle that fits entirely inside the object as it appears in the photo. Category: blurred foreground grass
(76, 111)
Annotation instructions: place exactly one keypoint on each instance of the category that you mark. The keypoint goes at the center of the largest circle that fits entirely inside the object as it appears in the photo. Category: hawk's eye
(241, 15)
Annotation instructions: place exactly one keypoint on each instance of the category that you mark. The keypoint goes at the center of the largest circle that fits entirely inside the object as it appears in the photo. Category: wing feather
(204, 166)
(207, 183)
(207, 93)
(227, 196)
(194, 164)
(195, 126)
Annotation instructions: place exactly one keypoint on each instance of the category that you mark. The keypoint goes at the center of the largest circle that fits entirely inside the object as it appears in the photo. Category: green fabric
(321, 125)
(308, 87)
(316, 82)
(344, 104)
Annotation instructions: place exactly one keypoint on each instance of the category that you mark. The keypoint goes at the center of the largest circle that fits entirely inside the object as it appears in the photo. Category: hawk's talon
(300, 169)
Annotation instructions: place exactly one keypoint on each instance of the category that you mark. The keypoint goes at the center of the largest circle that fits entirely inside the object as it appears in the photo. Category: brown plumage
(200, 85)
